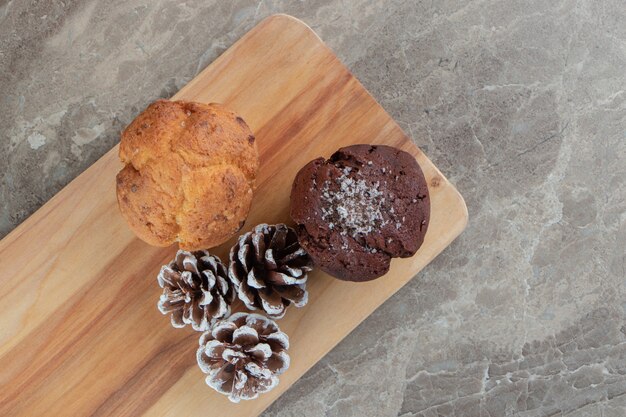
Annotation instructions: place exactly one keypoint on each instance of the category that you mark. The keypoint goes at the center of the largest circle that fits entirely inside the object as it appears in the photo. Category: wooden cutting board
(80, 331)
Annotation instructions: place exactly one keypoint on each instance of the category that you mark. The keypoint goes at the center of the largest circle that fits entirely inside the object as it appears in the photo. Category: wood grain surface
(80, 331)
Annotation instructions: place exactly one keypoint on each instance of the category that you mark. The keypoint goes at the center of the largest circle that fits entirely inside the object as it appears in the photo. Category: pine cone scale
(293, 272)
(190, 265)
(270, 262)
(244, 255)
(205, 298)
(253, 281)
(210, 278)
(246, 295)
(222, 284)
(177, 319)
(280, 237)
(245, 335)
(221, 331)
(272, 303)
(278, 363)
(285, 278)
(294, 294)
(167, 277)
(293, 253)
(258, 244)
(258, 372)
(260, 351)
(218, 308)
(171, 301)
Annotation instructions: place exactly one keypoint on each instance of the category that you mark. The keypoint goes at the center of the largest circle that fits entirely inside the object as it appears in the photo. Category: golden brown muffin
(189, 174)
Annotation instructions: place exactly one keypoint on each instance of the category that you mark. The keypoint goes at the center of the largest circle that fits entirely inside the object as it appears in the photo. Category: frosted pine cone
(269, 269)
(196, 290)
(243, 356)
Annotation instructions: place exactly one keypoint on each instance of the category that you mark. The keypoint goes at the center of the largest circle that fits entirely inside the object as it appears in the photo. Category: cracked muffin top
(189, 173)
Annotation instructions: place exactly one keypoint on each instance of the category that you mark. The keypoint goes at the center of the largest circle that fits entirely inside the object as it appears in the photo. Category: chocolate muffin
(360, 208)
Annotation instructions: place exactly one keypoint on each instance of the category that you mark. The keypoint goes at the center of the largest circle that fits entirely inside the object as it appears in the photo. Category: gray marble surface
(521, 103)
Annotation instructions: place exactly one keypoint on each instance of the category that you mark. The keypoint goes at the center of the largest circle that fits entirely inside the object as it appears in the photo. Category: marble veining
(522, 104)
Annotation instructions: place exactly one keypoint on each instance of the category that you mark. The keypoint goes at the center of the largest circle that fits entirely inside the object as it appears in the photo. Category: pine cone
(269, 269)
(243, 356)
(196, 290)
